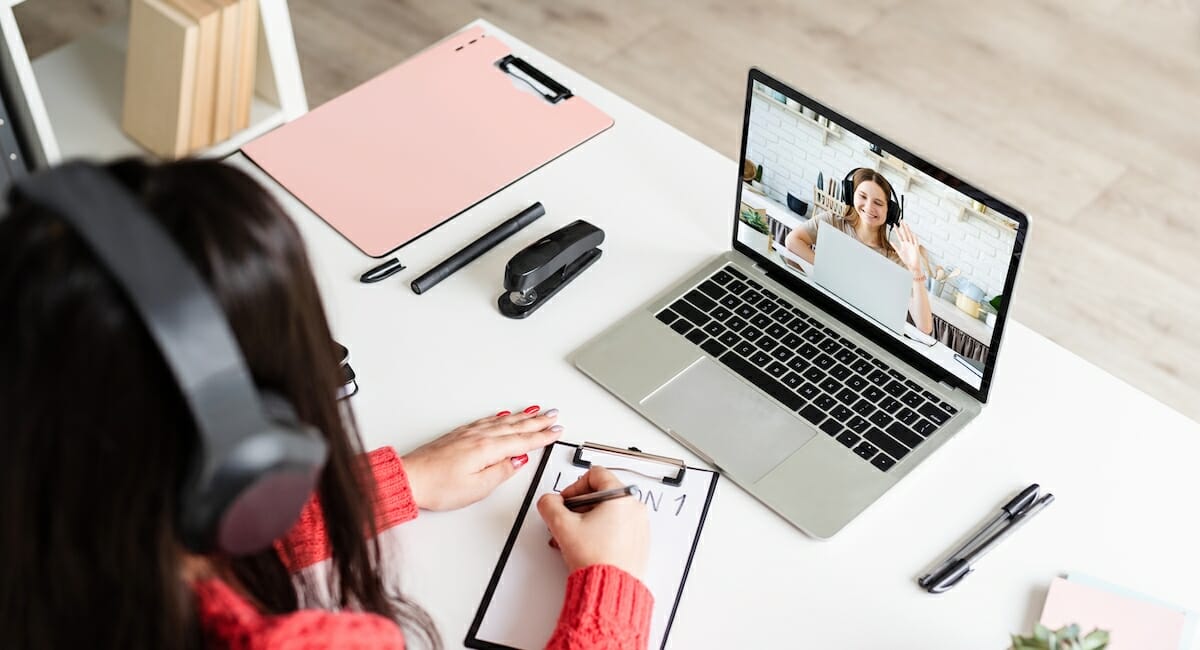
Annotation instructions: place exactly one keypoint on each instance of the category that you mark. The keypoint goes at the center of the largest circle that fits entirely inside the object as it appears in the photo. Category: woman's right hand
(615, 532)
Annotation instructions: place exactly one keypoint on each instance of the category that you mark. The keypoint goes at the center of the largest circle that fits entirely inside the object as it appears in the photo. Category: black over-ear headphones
(257, 464)
(895, 211)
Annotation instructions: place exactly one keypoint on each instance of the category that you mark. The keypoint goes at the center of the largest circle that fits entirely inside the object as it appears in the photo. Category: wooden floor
(1085, 114)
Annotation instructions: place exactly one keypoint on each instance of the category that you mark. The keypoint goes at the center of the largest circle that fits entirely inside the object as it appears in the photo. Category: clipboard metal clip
(544, 84)
(671, 478)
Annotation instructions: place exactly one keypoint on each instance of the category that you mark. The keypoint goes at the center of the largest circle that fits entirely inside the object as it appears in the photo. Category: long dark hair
(95, 435)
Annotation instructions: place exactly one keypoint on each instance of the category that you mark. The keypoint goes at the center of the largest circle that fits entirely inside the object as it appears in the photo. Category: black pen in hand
(575, 503)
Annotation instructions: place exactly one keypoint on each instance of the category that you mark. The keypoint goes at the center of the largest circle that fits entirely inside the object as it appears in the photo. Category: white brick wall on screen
(789, 148)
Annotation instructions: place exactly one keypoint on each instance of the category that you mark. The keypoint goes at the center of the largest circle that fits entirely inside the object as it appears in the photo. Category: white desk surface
(1122, 465)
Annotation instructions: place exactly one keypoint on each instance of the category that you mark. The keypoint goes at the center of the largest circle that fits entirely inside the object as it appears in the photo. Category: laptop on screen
(801, 394)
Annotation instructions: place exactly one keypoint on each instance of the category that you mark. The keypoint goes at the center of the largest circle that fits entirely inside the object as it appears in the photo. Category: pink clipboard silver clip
(424, 141)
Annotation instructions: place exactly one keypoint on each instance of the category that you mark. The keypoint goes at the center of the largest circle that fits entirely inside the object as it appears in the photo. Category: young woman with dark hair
(96, 437)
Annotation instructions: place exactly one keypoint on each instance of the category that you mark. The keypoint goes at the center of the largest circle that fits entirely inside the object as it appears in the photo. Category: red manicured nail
(518, 461)
(503, 413)
(532, 409)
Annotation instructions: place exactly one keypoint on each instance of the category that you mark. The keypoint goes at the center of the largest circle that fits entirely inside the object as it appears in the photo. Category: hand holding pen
(614, 531)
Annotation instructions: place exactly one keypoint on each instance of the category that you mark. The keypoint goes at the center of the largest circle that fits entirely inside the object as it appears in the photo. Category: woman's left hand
(908, 247)
(466, 464)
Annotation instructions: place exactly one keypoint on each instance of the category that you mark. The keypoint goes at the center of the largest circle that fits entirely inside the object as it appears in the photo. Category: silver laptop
(805, 403)
(862, 278)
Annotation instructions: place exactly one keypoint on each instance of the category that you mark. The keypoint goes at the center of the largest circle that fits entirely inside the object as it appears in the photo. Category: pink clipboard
(400, 154)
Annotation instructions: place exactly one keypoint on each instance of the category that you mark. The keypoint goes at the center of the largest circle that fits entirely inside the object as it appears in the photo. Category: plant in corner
(1067, 637)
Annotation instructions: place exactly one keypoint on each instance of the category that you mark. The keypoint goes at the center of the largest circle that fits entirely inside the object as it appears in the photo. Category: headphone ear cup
(848, 191)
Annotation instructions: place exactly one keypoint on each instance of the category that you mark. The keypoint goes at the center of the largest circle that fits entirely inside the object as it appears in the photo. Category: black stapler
(536, 273)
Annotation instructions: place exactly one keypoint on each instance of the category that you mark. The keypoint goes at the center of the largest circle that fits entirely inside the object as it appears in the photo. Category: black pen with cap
(476, 248)
(578, 502)
(1007, 511)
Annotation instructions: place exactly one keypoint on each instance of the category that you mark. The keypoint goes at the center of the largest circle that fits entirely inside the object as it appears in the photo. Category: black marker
(585, 500)
(385, 270)
(477, 248)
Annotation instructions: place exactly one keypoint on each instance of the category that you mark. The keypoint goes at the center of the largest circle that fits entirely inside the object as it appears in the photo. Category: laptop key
(912, 399)
(904, 434)
(924, 427)
(814, 336)
(752, 283)
(947, 407)
(721, 314)
(934, 413)
(855, 382)
(666, 316)
(681, 326)
(812, 414)
(832, 427)
(808, 351)
(770, 294)
(929, 396)
(866, 450)
(830, 385)
(751, 334)
(829, 345)
(696, 336)
(824, 361)
(737, 287)
(907, 416)
(713, 347)
(792, 380)
(886, 443)
(736, 324)
(799, 364)
(783, 316)
(808, 390)
(777, 331)
(722, 277)
(729, 339)
(864, 407)
(858, 424)
(862, 366)
(873, 393)
(798, 326)
(840, 372)
(776, 369)
(711, 290)
(815, 375)
(730, 302)
(752, 297)
(841, 413)
(847, 396)
(792, 341)
(761, 321)
(878, 377)
(714, 329)
(825, 402)
(734, 272)
(767, 344)
(745, 311)
(845, 356)
(745, 348)
(880, 419)
(849, 439)
(895, 389)
(761, 359)
(762, 380)
(700, 300)
(782, 354)
(685, 309)
(883, 462)
(890, 405)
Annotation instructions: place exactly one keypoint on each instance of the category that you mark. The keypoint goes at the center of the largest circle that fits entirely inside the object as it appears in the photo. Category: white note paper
(525, 597)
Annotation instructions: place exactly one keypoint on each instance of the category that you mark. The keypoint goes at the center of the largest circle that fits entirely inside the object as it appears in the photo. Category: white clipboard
(520, 608)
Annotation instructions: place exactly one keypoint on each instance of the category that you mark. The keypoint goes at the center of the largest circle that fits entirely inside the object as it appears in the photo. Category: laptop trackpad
(740, 430)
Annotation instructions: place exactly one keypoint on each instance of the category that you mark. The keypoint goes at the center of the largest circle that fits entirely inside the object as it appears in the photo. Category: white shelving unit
(68, 101)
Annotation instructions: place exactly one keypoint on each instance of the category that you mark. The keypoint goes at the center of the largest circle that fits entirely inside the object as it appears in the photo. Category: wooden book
(227, 57)
(208, 18)
(243, 94)
(160, 78)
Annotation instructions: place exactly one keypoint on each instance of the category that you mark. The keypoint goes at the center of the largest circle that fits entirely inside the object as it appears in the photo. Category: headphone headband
(247, 463)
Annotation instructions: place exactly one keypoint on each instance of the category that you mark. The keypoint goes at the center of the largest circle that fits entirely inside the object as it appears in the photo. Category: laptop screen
(823, 202)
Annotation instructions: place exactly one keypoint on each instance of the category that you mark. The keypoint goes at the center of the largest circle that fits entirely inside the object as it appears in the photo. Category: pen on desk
(383, 271)
(584, 500)
(957, 570)
(477, 248)
(1009, 510)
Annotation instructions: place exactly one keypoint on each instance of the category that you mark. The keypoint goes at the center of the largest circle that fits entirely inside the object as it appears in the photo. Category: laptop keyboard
(875, 411)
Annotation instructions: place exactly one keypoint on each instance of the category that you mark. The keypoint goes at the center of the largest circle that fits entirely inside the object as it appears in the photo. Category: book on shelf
(207, 20)
(227, 63)
(160, 78)
(247, 67)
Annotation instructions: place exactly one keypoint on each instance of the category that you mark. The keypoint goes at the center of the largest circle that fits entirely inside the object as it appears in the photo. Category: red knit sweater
(605, 607)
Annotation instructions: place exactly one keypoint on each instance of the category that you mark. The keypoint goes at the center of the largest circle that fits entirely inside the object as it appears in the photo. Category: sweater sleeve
(307, 543)
(605, 608)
